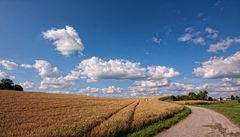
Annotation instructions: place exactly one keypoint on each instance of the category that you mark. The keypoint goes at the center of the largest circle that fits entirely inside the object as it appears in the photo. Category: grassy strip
(230, 109)
(161, 125)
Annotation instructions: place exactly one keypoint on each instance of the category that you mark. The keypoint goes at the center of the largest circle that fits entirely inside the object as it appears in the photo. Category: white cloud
(220, 67)
(157, 40)
(8, 65)
(26, 66)
(199, 41)
(95, 69)
(231, 81)
(66, 40)
(159, 72)
(224, 44)
(151, 83)
(27, 85)
(45, 69)
(101, 91)
(192, 37)
(59, 83)
(5, 75)
(212, 34)
(185, 37)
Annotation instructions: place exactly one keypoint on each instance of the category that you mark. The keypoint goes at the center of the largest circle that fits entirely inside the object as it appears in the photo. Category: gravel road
(203, 123)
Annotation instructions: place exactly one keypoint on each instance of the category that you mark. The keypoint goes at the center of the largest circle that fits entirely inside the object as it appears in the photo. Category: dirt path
(203, 123)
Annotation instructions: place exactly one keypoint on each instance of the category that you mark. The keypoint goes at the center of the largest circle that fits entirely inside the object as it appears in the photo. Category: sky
(121, 48)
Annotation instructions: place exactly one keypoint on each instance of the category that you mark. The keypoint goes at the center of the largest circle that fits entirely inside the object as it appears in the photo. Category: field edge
(216, 109)
(161, 125)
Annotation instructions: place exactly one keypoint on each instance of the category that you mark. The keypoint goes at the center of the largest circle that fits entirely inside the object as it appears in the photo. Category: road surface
(203, 123)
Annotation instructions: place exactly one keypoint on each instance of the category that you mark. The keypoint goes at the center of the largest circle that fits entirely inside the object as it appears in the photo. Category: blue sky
(178, 35)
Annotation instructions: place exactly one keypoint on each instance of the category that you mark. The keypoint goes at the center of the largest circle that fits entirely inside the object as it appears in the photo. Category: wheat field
(35, 114)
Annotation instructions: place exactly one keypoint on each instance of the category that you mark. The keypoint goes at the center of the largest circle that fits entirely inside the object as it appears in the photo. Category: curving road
(203, 123)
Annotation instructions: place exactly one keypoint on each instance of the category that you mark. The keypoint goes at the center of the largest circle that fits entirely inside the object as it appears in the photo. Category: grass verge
(230, 109)
(161, 125)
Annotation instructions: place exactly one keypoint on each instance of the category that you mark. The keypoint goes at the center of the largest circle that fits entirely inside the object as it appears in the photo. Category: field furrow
(59, 115)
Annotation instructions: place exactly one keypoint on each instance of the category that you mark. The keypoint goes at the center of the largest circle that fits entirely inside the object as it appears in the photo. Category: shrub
(238, 100)
(17, 87)
(8, 84)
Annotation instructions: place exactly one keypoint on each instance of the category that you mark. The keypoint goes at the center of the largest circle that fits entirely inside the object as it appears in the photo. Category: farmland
(195, 102)
(52, 115)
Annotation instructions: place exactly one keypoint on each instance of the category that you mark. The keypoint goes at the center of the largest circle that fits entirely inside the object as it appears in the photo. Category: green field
(230, 109)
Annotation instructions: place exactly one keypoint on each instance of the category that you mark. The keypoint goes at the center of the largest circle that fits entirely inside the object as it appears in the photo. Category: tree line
(201, 95)
(7, 84)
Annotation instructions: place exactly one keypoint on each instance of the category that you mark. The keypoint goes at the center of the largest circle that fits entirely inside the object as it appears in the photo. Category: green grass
(161, 125)
(230, 109)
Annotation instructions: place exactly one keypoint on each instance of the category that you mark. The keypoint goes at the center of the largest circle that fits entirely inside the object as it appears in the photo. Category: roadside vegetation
(230, 109)
(31, 114)
(195, 102)
(161, 125)
(201, 95)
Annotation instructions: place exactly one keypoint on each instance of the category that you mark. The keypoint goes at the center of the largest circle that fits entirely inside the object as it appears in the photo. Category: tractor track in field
(108, 117)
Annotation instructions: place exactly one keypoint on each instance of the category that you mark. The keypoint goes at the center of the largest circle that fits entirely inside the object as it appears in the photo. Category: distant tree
(237, 97)
(6, 84)
(232, 97)
(9, 85)
(221, 99)
(202, 95)
(192, 96)
(210, 98)
(17, 87)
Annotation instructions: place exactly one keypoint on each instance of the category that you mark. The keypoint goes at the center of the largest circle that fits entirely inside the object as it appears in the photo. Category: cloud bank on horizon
(95, 68)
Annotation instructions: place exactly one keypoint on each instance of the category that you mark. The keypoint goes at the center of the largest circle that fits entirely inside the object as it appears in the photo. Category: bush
(7, 84)
(17, 87)
(238, 100)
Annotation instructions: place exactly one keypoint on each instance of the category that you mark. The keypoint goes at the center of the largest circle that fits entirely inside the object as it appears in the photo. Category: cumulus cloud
(5, 75)
(224, 44)
(66, 40)
(8, 65)
(45, 69)
(185, 37)
(101, 91)
(107, 90)
(151, 83)
(51, 77)
(57, 83)
(27, 85)
(192, 37)
(95, 69)
(212, 33)
(199, 41)
(219, 67)
(28, 66)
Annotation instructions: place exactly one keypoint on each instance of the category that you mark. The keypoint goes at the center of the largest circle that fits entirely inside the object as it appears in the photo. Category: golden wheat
(57, 115)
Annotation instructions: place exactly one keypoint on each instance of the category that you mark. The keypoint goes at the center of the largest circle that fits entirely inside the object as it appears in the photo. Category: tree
(17, 87)
(192, 96)
(237, 97)
(210, 98)
(232, 97)
(238, 100)
(6, 84)
(221, 99)
(9, 85)
(202, 95)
